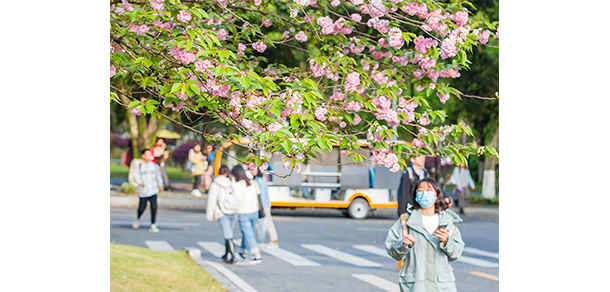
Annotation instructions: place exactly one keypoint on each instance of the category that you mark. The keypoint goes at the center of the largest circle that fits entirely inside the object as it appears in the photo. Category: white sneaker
(256, 259)
(153, 228)
(196, 193)
(272, 245)
(136, 224)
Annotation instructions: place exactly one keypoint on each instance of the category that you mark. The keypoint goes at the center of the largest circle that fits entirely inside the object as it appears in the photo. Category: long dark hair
(240, 174)
(440, 203)
(224, 170)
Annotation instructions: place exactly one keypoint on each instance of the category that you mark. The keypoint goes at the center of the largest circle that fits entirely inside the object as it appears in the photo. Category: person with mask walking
(147, 177)
(410, 178)
(427, 239)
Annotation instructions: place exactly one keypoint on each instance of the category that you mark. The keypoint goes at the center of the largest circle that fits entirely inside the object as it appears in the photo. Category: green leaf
(175, 87)
(134, 103)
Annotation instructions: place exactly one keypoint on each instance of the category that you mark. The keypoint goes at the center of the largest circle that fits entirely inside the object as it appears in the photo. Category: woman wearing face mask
(433, 240)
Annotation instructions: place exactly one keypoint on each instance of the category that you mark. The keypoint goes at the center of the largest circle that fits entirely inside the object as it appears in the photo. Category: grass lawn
(174, 173)
(139, 269)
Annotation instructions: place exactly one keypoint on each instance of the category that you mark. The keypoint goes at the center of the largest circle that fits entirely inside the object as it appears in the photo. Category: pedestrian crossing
(217, 250)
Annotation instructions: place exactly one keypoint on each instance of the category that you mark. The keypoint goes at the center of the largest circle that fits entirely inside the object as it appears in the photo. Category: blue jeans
(247, 223)
(227, 223)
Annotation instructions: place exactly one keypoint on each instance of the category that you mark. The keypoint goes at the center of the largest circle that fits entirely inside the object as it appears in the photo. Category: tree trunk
(489, 177)
(143, 131)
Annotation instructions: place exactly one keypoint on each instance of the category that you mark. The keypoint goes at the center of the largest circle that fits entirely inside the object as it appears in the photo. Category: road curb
(133, 201)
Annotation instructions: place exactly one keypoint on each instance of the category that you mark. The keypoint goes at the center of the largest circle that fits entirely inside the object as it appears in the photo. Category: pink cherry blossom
(352, 81)
(395, 39)
(275, 127)
(222, 34)
(418, 143)
(335, 3)
(448, 48)
(259, 46)
(257, 2)
(302, 2)
(157, 4)
(286, 164)
(267, 23)
(263, 166)
(356, 17)
(321, 113)
(461, 18)
(497, 35)
(301, 37)
(443, 97)
(112, 71)
(424, 120)
(184, 16)
(202, 65)
(136, 110)
(357, 120)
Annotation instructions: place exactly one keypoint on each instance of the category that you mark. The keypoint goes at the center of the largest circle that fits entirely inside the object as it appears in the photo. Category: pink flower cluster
(184, 16)
(172, 106)
(448, 48)
(434, 22)
(112, 71)
(451, 72)
(384, 157)
(375, 8)
(395, 39)
(183, 56)
(384, 112)
(301, 37)
(157, 4)
(422, 44)
(274, 127)
(222, 34)
(330, 27)
(376, 136)
(166, 25)
(203, 66)
(357, 119)
(414, 8)
(356, 17)
(443, 97)
(483, 37)
(140, 30)
(352, 81)
(380, 25)
(460, 18)
(267, 22)
(259, 46)
(321, 113)
(379, 77)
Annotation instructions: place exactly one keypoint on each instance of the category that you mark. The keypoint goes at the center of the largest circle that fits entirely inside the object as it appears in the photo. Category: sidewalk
(180, 198)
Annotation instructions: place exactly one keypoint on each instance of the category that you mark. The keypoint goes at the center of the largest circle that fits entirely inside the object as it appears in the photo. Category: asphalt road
(308, 241)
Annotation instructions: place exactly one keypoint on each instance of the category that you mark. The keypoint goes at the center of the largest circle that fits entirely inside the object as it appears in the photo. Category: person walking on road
(265, 225)
(222, 205)
(208, 174)
(427, 239)
(200, 162)
(160, 155)
(462, 180)
(147, 177)
(247, 192)
(410, 178)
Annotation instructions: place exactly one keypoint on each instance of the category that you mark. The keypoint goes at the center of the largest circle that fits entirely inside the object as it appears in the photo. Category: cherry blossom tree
(204, 57)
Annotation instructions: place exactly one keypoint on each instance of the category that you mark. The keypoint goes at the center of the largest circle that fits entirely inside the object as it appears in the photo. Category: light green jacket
(427, 266)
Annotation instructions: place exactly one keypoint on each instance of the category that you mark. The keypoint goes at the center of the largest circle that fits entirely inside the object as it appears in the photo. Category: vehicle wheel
(358, 209)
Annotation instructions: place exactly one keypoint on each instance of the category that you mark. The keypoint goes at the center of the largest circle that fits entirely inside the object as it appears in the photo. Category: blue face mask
(425, 199)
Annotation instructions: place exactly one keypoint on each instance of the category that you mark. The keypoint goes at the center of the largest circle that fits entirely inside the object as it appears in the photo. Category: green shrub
(128, 188)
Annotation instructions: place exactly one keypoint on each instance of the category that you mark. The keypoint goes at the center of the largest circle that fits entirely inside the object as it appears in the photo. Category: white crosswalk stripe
(378, 282)
(289, 257)
(477, 262)
(342, 256)
(481, 252)
(213, 247)
(158, 245)
(373, 249)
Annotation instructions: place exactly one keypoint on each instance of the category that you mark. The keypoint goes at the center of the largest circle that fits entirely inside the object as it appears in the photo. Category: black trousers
(197, 181)
(153, 207)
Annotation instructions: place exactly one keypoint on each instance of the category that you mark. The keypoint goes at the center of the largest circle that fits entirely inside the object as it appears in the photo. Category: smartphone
(442, 226)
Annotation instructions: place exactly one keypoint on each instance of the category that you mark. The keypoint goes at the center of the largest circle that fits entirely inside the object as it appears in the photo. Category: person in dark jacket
(410, 178)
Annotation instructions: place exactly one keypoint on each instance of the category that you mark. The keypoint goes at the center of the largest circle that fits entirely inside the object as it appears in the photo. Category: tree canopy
(370, 66)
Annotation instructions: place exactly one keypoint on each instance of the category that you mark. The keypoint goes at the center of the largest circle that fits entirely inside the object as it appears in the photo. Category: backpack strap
(403, 222)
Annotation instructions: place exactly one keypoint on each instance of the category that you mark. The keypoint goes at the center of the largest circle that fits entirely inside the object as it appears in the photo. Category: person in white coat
(247, 192)
(222, 205)
(148, 180)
